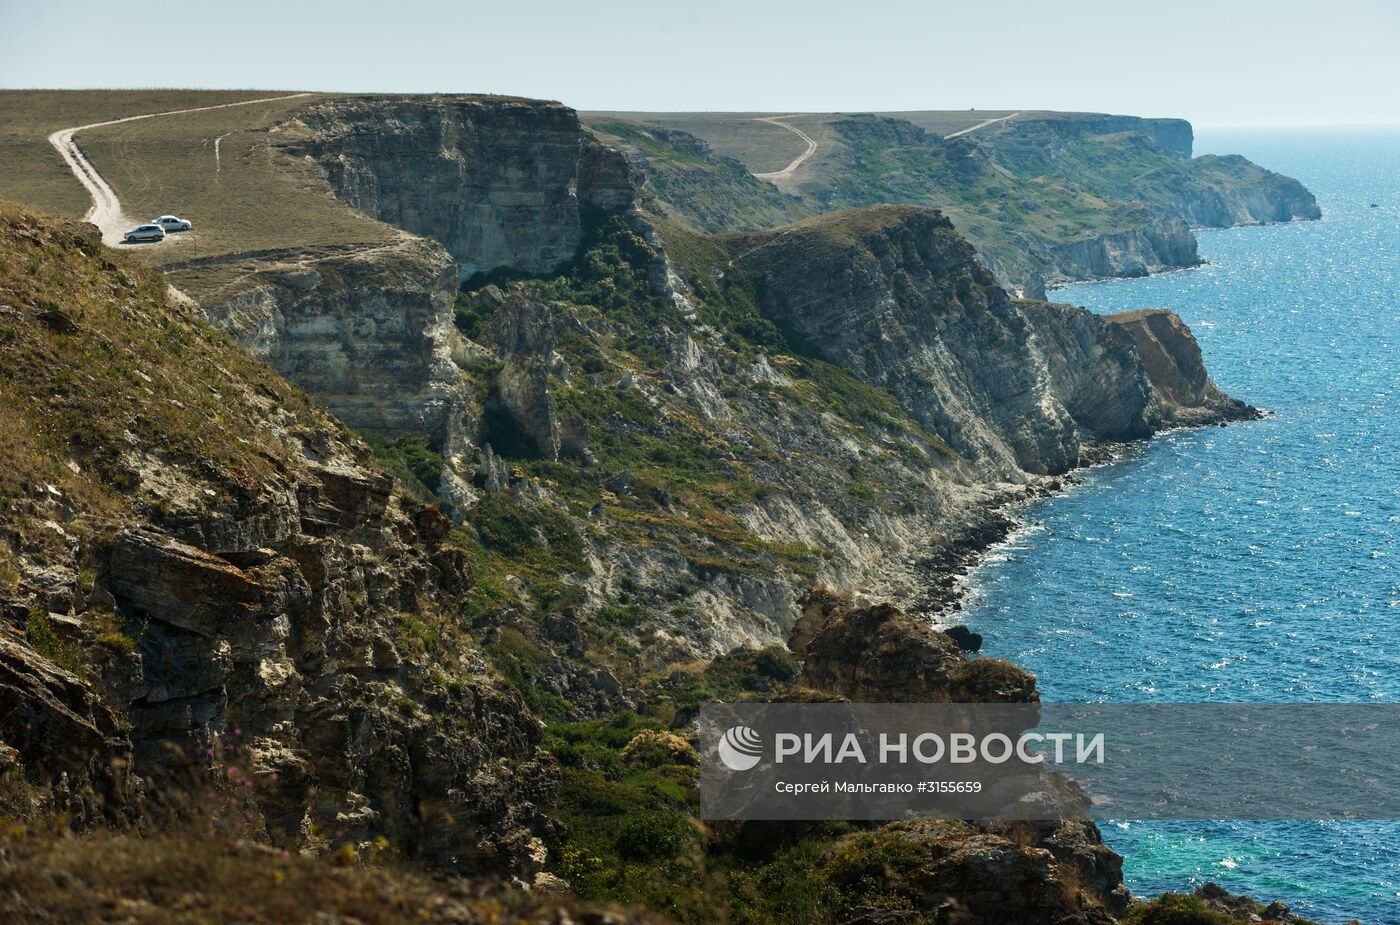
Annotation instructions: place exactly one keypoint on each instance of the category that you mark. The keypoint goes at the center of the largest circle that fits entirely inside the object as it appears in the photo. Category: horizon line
(1387, 123)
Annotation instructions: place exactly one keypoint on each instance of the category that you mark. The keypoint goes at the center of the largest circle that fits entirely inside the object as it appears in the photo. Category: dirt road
(106, 211)
(981, 125)
(783, 178)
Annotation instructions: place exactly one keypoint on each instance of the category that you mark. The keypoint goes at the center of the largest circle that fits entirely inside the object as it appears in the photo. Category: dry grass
(759, 146)
(251, 197)
(248, 198)
(197, 880)
(127, 367)
(31, 172)
(763, 147)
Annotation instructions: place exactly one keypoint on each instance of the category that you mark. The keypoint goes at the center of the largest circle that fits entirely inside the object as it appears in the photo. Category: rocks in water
(965, 639)
(1212, 902)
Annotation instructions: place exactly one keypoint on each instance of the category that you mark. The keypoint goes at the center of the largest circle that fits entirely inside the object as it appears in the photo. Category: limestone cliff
(896, 295)
(367, 331)
(653, 393)
(1045, 197)
(498, 181)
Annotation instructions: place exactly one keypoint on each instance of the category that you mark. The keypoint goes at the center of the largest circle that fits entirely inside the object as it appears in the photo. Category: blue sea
(1258, 562)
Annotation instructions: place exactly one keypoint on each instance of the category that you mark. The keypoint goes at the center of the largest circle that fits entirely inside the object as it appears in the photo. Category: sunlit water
(1258, 562)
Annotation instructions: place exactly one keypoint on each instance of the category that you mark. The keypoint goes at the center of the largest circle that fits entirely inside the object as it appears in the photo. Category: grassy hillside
(712, 190)
(241, 197)
(764, 147)
(96, 357)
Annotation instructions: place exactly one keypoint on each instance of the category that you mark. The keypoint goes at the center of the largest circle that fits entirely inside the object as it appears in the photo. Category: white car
(144, 233)
(172, 223)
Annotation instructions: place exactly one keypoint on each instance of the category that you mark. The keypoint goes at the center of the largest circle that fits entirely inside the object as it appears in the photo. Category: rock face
(1057, 872)
(1045, 131)
(1169, 352)
(1161, 245)
(368, 332)
(894, 294)
(525, 329)
(233, 586)
(500, 182)
(60, 732)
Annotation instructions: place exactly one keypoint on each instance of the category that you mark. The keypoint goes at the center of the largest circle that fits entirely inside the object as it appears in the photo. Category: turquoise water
(1259, 562)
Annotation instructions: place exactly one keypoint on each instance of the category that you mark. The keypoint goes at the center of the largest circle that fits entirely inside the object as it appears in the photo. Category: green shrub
(653, 836)
(45, 641)
(1175, 909)
(517, 531)
(409, 459)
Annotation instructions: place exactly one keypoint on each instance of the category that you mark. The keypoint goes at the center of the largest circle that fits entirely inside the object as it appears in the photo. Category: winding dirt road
(106, 212)
(782, 177)
(981, 125)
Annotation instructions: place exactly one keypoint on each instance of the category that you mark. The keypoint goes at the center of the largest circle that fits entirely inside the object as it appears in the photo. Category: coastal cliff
(898, 297)
(498, 181)
(1045, 197)
(595, 485)
(660, 380)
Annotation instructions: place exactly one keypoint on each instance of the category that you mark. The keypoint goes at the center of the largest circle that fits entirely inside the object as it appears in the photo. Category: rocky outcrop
(1054, 872)
(500, 182)
(1125, 195)
(1153, 248)
(206, 579)
(1233, 191)
(56, 729)
(879, 654)
(949, 872)
(894, 294)
(521, 416)
(1185, 393)
(367, 331)
(1038, 134)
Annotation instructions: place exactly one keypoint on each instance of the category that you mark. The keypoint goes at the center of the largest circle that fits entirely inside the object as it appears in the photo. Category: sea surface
(1254, 563)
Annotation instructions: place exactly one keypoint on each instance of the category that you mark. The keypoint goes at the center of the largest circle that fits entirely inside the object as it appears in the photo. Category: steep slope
(648, 397)
(615, 472)
(198, 568)
(898, 297)
(688, 178)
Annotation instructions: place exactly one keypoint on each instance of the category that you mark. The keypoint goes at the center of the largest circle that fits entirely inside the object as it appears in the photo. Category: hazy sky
(1216, 62)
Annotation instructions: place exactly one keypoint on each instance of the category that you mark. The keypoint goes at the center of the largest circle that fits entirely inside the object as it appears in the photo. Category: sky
(1215, 62)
